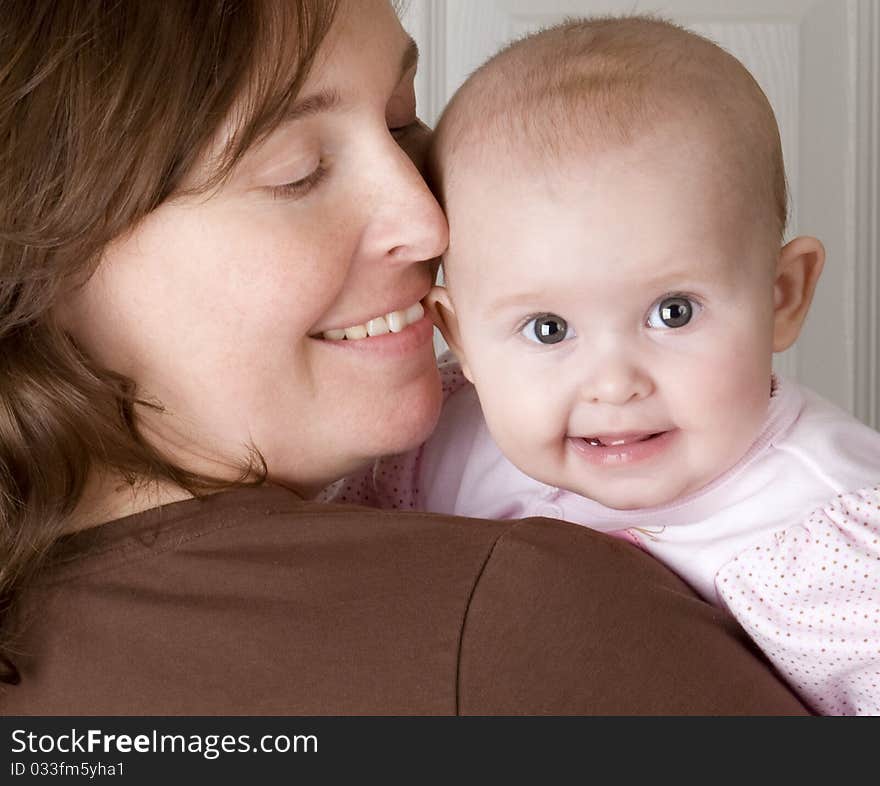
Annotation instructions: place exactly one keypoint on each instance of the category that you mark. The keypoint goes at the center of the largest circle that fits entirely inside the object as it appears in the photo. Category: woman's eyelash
(302, 186)
(400, 131)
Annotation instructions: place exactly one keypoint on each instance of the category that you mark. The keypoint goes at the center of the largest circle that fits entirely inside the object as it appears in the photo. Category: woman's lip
(412, 337)
(629, 453)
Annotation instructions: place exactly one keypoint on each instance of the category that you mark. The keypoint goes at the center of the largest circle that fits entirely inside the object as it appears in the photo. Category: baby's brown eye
(671, 312)
(547, 329)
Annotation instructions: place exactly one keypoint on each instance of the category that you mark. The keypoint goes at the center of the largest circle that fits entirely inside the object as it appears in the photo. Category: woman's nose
(616, 379)
(406, 222)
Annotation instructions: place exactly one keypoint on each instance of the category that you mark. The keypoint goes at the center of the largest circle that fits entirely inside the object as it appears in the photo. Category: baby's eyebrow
(687, 277)
(507, 302)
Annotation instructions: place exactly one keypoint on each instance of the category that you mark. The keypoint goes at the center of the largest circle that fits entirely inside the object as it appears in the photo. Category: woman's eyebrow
(312, 105)
(330, 99)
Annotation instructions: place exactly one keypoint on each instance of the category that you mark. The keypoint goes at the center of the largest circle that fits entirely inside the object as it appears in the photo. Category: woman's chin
(390, 424)
(411, 418)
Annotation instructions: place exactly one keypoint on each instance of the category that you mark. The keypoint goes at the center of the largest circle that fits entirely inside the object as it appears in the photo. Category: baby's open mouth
(618, 440)
(624, 447)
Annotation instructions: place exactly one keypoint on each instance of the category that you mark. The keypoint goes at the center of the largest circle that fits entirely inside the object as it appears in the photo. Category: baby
(616, 286)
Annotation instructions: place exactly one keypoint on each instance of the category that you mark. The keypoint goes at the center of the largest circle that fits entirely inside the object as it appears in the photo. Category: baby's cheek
(723, 376)
(528, 426)
(728, 407)
(744, 388)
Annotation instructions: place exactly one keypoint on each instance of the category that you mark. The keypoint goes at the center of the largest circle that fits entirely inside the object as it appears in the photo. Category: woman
(194, 194)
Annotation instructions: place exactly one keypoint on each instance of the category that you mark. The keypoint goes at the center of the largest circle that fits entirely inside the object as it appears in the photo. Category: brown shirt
(255, 602)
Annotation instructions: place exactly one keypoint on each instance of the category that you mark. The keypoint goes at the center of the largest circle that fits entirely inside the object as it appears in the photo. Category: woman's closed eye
(547, 329)
(302, 186)
(405, 129)
(672, 311)
(413, 138)
(408, 135)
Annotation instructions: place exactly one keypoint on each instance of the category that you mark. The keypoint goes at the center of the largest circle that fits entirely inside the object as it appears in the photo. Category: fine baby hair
(592, 85)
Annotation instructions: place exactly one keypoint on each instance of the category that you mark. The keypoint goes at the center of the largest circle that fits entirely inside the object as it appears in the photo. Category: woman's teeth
(379, 326)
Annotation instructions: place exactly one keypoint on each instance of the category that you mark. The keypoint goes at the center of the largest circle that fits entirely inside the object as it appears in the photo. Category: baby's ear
(442, 312)
(797, 271)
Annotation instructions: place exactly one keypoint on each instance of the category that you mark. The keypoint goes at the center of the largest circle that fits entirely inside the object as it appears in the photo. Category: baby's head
(616, 279)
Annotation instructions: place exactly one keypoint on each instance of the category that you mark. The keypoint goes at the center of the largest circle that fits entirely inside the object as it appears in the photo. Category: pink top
(788, 540)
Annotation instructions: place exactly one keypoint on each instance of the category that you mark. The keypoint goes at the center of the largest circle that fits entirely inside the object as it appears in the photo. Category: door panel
(805, 55)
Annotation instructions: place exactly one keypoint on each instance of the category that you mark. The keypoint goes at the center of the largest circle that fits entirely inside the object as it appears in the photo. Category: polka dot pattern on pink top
(810, 598)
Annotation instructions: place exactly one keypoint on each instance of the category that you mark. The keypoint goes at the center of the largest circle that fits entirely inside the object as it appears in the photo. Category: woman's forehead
(284, 51)
(369, 35)
(365, 46)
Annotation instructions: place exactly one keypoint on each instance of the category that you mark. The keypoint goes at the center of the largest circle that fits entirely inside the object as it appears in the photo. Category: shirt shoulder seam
(466, 612)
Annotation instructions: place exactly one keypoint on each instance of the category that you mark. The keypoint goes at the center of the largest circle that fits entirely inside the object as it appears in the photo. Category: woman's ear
(439, 306)
(797, 271)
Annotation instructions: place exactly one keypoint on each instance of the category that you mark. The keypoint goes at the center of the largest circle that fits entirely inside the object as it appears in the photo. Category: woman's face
(216, 306)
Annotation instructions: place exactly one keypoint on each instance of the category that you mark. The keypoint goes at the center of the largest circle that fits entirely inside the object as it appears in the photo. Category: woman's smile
(393, 321)
(407, 338)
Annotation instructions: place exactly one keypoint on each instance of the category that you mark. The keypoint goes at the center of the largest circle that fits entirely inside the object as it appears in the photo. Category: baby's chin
(634, 494)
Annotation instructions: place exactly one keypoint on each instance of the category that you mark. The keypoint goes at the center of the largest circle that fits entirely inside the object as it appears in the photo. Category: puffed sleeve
(809, 596)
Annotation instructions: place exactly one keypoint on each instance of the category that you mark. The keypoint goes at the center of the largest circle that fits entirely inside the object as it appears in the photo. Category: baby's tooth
(414, 313)
(356, 331)
(377, 327)
(334, 335)
(396, 321)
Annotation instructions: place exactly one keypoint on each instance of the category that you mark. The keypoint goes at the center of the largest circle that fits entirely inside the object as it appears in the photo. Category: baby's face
(617, 321)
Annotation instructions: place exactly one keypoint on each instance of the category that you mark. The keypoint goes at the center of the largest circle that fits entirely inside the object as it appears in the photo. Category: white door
(817, 61)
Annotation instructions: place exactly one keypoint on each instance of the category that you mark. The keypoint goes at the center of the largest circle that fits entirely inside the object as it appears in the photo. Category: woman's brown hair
(105, 106)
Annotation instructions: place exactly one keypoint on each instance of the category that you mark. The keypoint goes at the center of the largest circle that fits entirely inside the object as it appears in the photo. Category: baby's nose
(616, 380)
